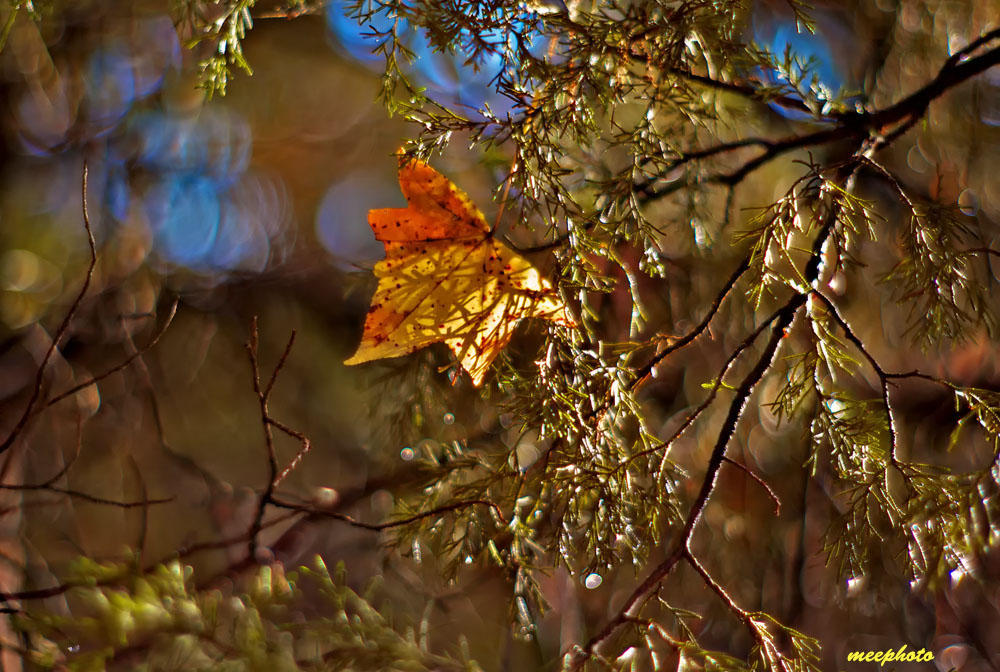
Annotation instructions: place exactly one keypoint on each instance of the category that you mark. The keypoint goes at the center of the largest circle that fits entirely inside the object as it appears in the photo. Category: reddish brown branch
(760, 481)
(295, 461)
(687, 338)
(171, 312)
(76, 494)
(681, 546)
(399, 522)
(263, 395)
(693, 415)
(888, 123)
(36, 390)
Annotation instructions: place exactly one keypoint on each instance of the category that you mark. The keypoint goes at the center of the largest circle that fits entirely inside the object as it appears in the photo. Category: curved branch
(120, 365)
(887, 124)
(681, 547)
(647, 369)
(36, 390)
(378, 527)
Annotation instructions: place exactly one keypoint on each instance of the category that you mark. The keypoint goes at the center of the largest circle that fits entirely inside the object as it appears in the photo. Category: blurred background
(254, 204)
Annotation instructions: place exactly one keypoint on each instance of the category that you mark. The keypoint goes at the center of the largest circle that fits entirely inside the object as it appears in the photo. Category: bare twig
(76, 494)
(399, 522)
(887, 124)
(687, 338)
(693, 415)
(63, 326)
(262, 400)
(681, 547)
(760, 481)
(171, 312)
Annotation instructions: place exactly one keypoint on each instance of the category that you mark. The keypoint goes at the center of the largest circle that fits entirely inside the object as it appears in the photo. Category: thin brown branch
(760, 481)
(280, 365)
(399, 522)
(171, 312)
(295, 461)
(263, 397)
(687, 338)
(682, 543)
(272, 459)
(873, 363)
(887, 124)
(76, 494)
(63, 326)
(713, 584)
(693, 415)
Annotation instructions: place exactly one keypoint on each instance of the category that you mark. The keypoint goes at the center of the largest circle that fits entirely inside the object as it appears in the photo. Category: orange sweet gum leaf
(445, 278)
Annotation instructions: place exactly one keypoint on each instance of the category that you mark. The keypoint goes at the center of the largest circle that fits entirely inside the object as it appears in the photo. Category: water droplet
(407, 454)
(325, 498)
(449, 418)
(593, 580)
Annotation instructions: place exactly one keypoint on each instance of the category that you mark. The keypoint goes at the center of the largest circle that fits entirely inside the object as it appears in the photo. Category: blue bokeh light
(207, 212)
(255, 213)
(342, 217)
(156, 51)
(184, 214)
(213, 142)
(778, 34)
(351, 38)
(444, 75)
(109, 89)
(809, 47)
